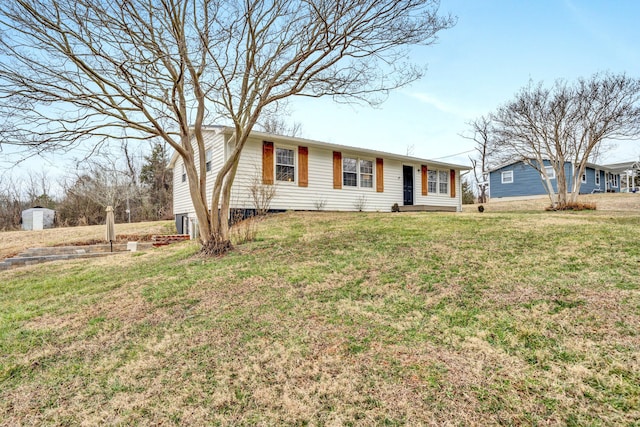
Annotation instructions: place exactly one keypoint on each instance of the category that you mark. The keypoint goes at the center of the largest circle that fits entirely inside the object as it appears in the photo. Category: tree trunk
(218, 241)
(482, 197)
(561, 182)
(576, 182)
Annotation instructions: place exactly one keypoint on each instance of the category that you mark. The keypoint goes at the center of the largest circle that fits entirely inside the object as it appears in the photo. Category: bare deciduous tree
(481, 129)
(278, 126)
(567, 123)
(83, 71)
(11, 203)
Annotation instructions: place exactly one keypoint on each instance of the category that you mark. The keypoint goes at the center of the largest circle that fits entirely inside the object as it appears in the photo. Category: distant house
(38, 218)
(629, 175)
(518, 179)
(314, 175)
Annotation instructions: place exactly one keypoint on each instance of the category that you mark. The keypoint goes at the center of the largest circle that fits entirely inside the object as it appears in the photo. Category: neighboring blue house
(519, 179)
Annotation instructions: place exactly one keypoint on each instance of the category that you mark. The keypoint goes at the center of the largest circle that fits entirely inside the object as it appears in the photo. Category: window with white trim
(597, 180)
(432, 181)
(366, 173)
(357, 172)
(550, 172)
(583, 178)
(437, 181)
(507, 177)
(349, 172)
(184, 174)
(443, 182)
(285, 165)
(208, 159)
(614, 180)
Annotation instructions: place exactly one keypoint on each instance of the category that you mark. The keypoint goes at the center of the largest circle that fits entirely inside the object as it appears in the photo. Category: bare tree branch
(79, 72)
(567, 123)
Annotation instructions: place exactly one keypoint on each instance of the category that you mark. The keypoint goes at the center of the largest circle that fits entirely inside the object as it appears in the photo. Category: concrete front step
(62, 250)
(31, 260)
(426, 208)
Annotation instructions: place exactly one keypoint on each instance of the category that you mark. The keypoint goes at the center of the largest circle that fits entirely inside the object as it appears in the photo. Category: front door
(407, 173)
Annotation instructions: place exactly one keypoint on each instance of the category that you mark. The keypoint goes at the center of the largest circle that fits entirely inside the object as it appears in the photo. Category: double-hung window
(432, 179)
(443, 182)
(507, 177)
(350, 172)
(366, 173)
(285, 165)
(550, 172)
(597, 180)
(357, 172)
(583, 178)
(437, 181)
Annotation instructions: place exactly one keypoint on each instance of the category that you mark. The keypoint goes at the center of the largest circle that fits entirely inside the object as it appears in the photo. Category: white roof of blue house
(608, 168)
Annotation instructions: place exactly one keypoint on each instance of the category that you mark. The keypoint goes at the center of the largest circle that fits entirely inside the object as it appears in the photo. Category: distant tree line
(138, 187)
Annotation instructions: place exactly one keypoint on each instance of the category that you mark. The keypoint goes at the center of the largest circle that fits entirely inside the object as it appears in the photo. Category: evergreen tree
(158, 178)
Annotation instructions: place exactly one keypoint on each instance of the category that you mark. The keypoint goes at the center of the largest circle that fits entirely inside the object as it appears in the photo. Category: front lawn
(338, 319)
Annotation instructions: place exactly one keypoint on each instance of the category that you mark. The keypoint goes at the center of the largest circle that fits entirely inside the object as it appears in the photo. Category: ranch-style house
(314, 175)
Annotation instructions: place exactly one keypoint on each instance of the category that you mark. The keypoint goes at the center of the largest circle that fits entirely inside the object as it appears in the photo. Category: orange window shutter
(379, 175)
(303, 167)
(337, 170)
(453, 183)
(423, 174)
(267, 162)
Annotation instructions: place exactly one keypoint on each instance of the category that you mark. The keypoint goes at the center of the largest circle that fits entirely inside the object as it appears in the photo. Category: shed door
(407, 173)
(38, 220)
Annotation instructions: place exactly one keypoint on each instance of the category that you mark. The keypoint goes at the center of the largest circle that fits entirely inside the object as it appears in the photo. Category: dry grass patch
(607, 202)
(13, 242)
(339, 319)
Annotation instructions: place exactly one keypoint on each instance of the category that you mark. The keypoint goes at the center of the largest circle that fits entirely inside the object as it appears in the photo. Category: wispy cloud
(441, 105)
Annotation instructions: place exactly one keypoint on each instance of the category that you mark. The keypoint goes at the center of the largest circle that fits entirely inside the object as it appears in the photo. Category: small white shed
(37, 218)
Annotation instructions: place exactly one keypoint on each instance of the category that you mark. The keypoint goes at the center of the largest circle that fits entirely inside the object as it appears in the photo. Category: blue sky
(493, 51)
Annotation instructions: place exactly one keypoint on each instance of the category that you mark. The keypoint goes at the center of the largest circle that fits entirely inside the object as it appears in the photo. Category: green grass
(349, 319)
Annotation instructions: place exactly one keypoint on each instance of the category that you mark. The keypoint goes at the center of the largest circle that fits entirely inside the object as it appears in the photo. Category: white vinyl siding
(181, 197)
(320, 187)
(320, 191)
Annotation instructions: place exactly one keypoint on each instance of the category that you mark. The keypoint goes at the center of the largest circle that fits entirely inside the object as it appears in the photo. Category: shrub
(574, 206)
(244, 229)
(467, 193)
(360, 203)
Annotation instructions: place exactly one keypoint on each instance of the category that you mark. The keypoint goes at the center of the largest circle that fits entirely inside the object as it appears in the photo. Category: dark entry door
(407, 173)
